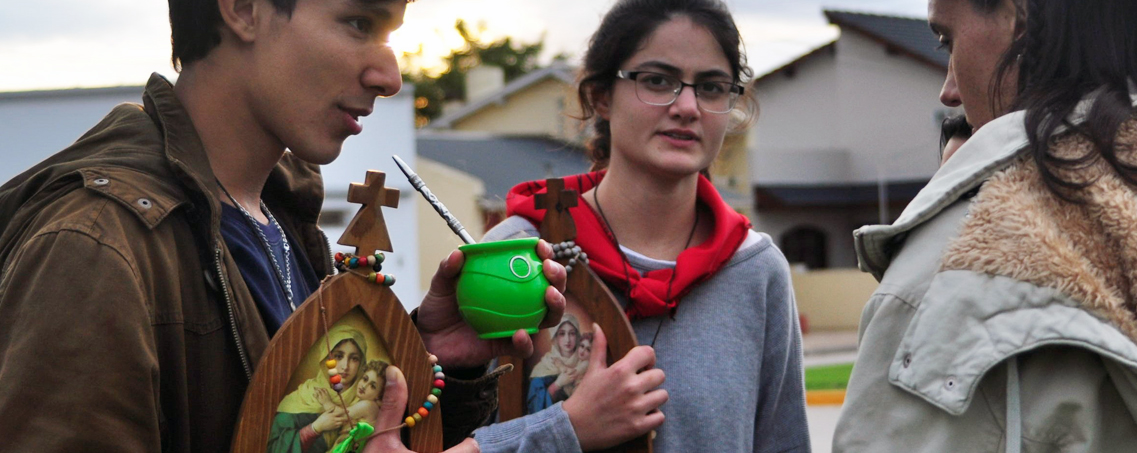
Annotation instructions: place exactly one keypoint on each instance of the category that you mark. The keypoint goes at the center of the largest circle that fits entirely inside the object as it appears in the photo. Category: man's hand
(612, 405)
(454, 342)
(391, 414)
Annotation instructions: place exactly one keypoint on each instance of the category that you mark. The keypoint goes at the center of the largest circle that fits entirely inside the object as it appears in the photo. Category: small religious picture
(339, 381)
(560, 360)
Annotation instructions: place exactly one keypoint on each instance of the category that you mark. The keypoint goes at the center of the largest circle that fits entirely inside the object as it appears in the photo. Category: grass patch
(828, 377)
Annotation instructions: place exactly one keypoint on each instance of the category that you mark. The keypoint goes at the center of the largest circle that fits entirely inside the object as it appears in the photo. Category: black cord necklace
(627, 263)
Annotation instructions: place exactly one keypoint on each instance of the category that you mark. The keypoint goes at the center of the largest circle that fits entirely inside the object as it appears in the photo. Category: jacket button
(101, 182)
(145, 203)
(907, 360)
(950, 383)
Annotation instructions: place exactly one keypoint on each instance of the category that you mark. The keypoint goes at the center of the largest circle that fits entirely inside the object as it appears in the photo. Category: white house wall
(389, 130)
(891, 111)
(35, 125)
(795, 140)
(848, 117)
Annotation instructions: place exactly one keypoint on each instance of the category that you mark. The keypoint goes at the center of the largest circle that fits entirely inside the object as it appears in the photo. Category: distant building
(848, 134)
(36, 124)
(540, 103)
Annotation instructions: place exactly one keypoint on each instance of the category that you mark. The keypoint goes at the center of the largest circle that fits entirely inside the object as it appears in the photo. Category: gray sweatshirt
(732, 357)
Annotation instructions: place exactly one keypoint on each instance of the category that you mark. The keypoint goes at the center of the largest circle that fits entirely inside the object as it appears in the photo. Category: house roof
(73, 92)
(775, 197)
(502, 162)
(906, 35)
(558, 70)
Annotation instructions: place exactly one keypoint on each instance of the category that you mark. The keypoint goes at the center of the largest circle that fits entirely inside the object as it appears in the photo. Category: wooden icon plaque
(587, 296)
(346, 296)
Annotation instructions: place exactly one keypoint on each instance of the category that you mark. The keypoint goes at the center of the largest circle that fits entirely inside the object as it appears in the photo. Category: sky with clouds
(47, 44)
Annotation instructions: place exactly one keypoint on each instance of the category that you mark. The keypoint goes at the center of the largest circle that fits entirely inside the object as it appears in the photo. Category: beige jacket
(1003, 321)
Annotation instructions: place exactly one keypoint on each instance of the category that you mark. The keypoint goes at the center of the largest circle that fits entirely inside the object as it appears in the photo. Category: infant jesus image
(368, 397)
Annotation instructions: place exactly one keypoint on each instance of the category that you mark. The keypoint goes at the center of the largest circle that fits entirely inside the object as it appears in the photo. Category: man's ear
(240, 17)
(601, 102)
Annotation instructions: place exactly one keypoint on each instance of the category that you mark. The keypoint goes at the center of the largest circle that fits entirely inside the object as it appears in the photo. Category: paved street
(826, 348)
(822, 420)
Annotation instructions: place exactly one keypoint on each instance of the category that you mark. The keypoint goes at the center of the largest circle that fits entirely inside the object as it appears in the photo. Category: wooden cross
(367, 231)
(556, 201)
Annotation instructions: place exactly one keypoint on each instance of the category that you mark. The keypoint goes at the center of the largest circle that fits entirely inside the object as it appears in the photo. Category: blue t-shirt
(256, 267)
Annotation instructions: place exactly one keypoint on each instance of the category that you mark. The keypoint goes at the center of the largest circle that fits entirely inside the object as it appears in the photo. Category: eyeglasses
(653, 88)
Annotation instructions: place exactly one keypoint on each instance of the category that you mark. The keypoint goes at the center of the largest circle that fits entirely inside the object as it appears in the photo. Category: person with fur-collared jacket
(1006, 316)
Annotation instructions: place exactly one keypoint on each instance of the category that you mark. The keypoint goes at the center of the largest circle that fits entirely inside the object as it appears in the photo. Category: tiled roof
(909, 35)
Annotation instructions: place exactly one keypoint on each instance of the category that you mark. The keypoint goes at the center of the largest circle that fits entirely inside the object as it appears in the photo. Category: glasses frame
(735, 91)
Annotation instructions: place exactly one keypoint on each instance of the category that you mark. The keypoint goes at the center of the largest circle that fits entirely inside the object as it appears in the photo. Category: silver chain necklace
(283, 278)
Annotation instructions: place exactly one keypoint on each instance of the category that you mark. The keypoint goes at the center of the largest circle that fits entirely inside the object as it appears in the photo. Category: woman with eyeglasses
(709, 299)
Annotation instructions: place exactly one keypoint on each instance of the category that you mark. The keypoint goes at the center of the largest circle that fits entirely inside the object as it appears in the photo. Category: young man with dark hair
(154, 258)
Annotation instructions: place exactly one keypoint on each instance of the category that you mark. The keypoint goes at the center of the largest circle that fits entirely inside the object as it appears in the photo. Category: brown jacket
(124, 322)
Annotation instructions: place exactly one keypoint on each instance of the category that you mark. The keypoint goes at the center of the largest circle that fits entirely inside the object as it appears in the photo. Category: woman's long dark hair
(1069, 50)
(622, 33)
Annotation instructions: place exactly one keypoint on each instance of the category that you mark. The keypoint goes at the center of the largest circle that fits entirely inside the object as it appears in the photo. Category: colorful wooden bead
(432, 399)
(372, 277)
(436, 392)
(339, 256)
(333, 372)
(388, 280)
(371, 260)
(439, 383)
(437, 369)
(417, 417)
(379, 258)
(439, 375)
(331, 363)
(354, 263)
(433, 359)
(336, 379)
(423, 412)
(338, 387)
(428, 405)
(410, 421)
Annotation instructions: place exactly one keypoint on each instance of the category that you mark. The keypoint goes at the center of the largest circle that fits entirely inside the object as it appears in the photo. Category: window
(806, 245)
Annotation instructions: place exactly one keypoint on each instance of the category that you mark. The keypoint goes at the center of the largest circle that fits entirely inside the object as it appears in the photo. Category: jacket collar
(294, 188)
(991, 149)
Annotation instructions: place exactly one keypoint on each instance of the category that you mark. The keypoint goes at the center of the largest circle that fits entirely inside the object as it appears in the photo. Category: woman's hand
(454, 342)
(391, 414)
(612, 405)
(331, 420)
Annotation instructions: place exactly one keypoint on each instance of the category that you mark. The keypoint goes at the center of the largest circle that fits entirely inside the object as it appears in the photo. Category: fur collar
(1018, 228)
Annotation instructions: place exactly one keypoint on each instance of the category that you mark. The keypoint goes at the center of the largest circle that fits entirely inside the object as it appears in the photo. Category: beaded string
(347, 262)
(350, 263)
(569, 249)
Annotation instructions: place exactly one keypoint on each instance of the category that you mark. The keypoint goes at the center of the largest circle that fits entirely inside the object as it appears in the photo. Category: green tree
(432, 91)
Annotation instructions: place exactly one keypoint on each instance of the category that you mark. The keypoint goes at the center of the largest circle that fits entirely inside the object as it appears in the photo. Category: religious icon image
(560, 360)
(342, 374)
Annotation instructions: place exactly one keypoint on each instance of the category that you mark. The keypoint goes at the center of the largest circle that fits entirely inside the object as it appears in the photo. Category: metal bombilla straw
(420, 186)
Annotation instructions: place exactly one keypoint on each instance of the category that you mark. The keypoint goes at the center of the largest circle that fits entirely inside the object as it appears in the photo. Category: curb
(825, 397)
